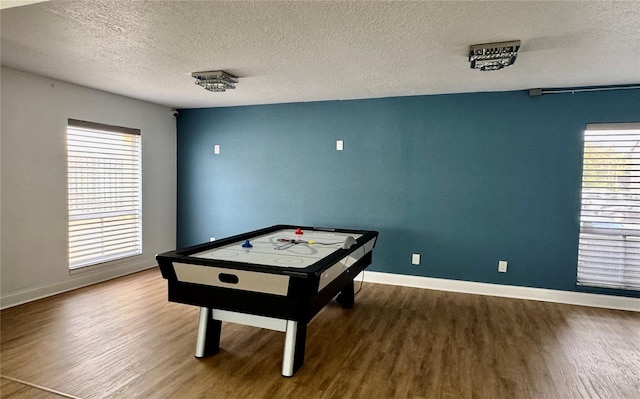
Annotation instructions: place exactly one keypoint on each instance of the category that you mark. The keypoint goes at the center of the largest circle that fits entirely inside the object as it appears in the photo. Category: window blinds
(104, 193)
(609, 244)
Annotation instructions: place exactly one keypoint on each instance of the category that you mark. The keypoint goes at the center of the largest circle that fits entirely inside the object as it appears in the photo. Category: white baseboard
(76, 281)
(467, 287)
(507, 291)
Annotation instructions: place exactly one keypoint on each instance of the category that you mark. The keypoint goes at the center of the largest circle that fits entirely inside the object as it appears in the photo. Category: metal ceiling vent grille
(493, 56)
(609, 246)
(216, 81)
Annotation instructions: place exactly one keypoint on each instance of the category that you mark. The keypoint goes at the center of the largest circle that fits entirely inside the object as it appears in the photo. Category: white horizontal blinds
(105, 191)
(609, 247)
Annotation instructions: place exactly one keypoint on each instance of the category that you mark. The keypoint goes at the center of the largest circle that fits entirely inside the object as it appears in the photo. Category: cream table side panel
(247, 280)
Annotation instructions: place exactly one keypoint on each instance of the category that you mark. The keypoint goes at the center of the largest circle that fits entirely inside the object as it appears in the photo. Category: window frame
(621, 225)
(135, 214)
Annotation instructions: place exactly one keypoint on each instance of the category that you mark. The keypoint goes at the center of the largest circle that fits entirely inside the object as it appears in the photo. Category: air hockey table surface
(270, 278)
(281, 248)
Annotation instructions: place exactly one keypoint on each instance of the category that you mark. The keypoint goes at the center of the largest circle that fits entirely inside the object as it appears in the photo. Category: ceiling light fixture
(216, 81)
(493, 56)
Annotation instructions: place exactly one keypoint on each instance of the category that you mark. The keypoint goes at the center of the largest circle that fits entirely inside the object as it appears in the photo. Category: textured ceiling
(310, 51)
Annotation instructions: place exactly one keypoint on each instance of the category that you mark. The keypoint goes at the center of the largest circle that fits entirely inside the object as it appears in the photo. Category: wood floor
(123, 339)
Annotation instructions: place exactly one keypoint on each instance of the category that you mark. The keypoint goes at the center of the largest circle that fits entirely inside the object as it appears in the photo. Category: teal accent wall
(465, 180)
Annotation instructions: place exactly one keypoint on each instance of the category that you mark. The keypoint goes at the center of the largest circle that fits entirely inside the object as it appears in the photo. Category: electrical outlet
(212, 239)
(339, 145)
(415, 259)
(502, 266)
(216, 149)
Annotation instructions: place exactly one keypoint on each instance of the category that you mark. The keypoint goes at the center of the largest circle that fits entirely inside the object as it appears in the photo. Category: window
(609, 247)
(104, 193)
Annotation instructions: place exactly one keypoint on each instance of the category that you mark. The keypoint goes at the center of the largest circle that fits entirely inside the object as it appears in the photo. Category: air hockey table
(277, 278)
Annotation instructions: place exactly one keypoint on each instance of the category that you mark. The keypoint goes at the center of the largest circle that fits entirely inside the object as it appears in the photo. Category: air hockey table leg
(294, 343)
(208, 334)
(346, 296)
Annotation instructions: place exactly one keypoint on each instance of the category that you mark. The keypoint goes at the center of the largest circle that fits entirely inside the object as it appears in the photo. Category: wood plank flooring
(123, 339)
(13, 389)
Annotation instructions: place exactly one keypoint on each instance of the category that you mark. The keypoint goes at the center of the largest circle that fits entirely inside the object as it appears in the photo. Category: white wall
(33, 217)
